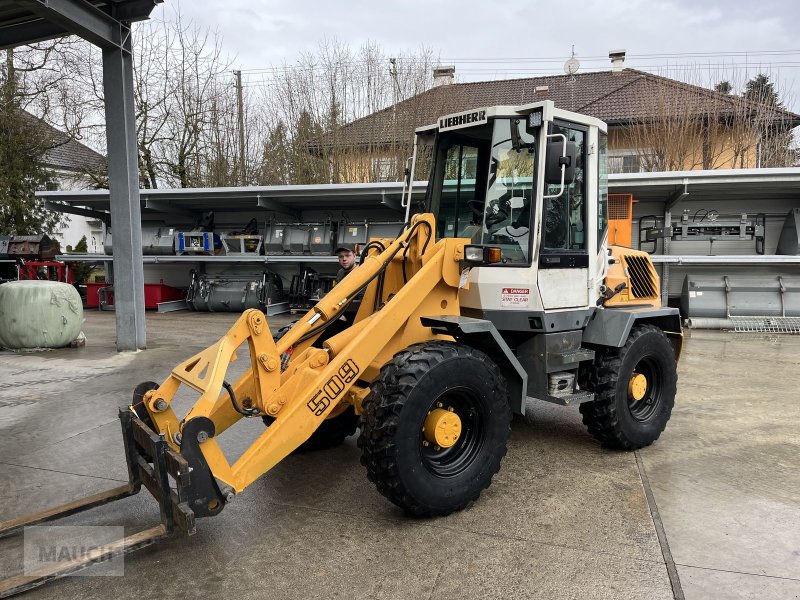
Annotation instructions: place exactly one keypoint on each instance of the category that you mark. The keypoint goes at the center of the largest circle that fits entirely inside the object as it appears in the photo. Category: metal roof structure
(666, 187)
(724, 184)
(286, 199)
(107, 25)
(98, 21)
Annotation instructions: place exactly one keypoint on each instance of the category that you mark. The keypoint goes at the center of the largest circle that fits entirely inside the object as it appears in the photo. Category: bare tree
(686, 127)
(308, 105)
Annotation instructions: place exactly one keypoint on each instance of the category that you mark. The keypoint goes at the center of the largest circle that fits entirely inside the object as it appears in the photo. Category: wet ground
(563, 518)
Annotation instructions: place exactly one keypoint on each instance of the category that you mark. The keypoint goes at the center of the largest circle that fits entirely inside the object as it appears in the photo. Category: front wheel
(634, 388)
(434, 428)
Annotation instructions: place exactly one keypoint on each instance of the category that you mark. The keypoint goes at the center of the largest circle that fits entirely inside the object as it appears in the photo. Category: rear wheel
(634, 388)
(434, 428)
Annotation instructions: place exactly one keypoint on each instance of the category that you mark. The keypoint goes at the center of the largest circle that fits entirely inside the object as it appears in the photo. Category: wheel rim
(451, 462)
(644, 405)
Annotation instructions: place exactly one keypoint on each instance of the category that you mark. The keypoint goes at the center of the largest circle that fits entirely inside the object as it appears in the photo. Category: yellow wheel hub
(442, 427)
(637, 387)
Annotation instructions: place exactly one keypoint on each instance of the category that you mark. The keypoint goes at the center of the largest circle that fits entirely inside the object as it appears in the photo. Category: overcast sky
(264, 33)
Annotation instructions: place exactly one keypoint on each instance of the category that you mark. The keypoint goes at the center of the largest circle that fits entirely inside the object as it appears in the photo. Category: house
(655, 123)
(73, 166)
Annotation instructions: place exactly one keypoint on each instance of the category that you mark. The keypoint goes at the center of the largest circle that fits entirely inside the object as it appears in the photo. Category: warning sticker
(515, 297)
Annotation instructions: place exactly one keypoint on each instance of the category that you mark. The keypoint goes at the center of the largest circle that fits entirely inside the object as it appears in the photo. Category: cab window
(564, 227)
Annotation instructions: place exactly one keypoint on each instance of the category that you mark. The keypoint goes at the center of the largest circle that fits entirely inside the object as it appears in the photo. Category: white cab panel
(563, 288)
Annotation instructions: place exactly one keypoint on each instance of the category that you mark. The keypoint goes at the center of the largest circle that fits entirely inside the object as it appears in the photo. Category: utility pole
(240, 104)
(395, 100)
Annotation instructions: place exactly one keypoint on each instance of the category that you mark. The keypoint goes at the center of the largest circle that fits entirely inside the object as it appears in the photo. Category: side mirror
(555, 159)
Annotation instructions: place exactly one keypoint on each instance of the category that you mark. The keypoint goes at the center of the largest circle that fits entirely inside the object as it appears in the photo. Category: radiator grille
(620, 206)
(642, 276)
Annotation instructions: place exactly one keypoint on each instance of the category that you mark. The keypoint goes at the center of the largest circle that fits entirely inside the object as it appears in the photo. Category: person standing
(347, 261)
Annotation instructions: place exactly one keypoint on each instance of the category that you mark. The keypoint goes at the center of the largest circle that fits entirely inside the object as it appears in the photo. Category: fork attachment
(152, 463)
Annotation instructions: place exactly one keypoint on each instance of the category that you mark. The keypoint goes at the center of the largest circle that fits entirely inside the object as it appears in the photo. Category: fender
(611, 326)
(483, 335)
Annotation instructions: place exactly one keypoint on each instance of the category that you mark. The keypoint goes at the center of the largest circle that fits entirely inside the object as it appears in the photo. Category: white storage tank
(39, 314)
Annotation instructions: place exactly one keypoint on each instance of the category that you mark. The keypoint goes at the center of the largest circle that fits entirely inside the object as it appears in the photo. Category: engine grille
(642, 276)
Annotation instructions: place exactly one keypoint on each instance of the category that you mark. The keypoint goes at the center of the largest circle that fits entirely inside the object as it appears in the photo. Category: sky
(516, 38)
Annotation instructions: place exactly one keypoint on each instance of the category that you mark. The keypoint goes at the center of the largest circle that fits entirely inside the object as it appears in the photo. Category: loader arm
(402, 281)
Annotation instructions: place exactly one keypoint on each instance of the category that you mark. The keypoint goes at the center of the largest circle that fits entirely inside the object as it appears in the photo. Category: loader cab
(532, 181)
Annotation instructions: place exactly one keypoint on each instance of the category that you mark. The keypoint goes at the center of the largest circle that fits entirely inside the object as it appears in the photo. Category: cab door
(563, 272)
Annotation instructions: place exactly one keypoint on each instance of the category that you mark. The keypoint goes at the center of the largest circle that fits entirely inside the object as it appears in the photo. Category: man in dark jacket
(347, 261)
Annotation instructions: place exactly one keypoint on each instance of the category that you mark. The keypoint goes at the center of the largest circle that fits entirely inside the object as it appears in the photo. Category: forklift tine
(21, 583)
(10, 527)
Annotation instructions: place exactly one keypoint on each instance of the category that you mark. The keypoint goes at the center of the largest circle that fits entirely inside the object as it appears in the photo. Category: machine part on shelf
(726, 297)
(789, 242)
(320, 239)
(157, 239)
(205, 222)
(709, 227)
(273, 238)
(241, 244)
(296, 239)
(307, 288)
(234, 293)
(384, 230)
(651, 229)
(351, 234)
(195, 242)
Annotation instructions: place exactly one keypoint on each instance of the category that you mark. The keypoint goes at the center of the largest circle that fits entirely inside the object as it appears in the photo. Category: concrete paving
(563, 518)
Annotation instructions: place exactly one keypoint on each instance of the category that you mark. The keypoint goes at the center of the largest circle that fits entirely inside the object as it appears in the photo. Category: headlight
(483, 255)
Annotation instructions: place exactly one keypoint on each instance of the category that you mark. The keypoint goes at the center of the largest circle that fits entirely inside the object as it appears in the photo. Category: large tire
(423, 478)
(616, 417)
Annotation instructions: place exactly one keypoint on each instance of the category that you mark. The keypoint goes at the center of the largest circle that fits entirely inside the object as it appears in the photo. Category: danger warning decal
(513, 297)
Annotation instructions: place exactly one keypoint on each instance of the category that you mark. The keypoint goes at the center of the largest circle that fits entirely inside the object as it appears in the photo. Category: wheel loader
(500, 290)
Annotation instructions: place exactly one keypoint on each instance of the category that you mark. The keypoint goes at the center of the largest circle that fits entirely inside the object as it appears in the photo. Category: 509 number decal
(320, 402)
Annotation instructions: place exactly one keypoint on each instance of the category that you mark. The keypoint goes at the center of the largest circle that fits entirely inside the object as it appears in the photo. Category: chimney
(617, 60)
(443, 75)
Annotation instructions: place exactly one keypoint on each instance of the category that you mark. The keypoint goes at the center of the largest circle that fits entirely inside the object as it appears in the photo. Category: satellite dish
(571, 66)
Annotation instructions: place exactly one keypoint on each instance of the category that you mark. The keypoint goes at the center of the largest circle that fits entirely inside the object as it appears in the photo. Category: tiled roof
(614, 97)
(65, 153)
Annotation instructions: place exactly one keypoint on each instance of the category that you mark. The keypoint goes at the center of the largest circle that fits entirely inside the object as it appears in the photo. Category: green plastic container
(39, 314)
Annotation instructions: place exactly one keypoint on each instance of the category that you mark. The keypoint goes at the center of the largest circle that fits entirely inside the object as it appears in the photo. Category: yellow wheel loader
(502, 289)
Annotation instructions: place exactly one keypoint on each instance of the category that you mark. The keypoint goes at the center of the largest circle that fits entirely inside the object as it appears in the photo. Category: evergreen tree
(275, 157)
(81, 270)
(23, 142)
(305, 168)
(762, 91)
(724, 87)
(775, 145)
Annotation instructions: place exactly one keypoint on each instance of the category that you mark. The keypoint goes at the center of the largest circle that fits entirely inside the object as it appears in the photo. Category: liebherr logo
(332, 388)
(462, 119)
